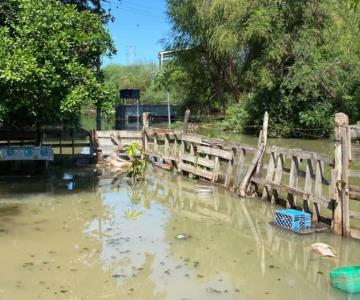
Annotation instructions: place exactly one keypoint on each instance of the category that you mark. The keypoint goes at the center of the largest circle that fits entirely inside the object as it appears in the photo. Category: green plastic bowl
(346, 279)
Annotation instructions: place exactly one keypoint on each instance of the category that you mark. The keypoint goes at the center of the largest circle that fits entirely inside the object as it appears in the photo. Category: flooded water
(70, 235)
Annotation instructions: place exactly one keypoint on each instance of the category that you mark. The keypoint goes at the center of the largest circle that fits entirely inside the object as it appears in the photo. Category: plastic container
(346, 279)
(292, 219)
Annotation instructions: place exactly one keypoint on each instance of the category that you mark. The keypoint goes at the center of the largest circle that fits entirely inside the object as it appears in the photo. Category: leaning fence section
(230, 165)
(326, 187)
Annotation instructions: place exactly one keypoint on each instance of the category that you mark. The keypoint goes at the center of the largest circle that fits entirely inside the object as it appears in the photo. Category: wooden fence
(59, 139)
(327, 187)
(220, 162)
(296, 178)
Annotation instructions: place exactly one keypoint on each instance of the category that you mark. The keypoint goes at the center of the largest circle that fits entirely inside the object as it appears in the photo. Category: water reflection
(233, 252)
(106, 239)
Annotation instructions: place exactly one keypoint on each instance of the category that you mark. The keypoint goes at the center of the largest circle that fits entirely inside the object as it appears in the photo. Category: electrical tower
(130, 54)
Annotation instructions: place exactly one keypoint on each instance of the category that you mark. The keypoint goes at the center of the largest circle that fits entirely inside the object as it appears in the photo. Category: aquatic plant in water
(132, 214)
(138, 162)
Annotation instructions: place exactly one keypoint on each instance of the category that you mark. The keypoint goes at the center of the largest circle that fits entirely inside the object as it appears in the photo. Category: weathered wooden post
(341, 223)
(182, 143)
(186, 120)
(255, 166)
(146, 125)
(263, 139)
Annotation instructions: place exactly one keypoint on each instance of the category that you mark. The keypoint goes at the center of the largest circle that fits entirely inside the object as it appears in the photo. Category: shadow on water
(9, 210)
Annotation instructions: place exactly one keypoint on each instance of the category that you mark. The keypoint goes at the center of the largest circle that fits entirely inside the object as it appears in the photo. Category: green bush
(236, 118)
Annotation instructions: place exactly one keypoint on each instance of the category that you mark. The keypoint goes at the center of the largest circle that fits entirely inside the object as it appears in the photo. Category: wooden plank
(225, 154)
(354, 188)
(199, 160)
(354, 173)
(266, 194)
(354, 215)
(245, 148)
(302, 154)
(251, 170)
(293, 180)
(309, 178)
(119, 133)
(355, 153)
(354, 195)
(162, 165)
(192, 138)
(196, 171)
(355, 132)
(115, 140)
(216, 170)
(167, 146)
(161, 132)
(229, 171)
(355, 233)
(318, 190)
(278, 175)
(181, 153)
(240, 168)
(67, 145)
(297, 192)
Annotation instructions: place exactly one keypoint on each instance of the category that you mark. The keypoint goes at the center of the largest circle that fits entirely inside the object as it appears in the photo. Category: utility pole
(162, 56)
(97, 9)
(130, 54)
(169, 110)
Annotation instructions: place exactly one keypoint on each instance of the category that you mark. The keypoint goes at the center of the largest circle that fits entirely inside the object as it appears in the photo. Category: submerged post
(186, 120)
(169, 109)
(263, 139)
(254, 169)
(341, 223)
(146, 125)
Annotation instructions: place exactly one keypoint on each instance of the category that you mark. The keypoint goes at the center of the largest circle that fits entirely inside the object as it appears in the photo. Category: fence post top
(341, 119)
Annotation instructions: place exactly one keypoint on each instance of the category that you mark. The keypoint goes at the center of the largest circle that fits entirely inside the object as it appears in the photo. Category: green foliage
(139, 76)
(236, 117)
(48, 54)
(177, 125)
(138, 164)
(299, 60)
(354, 3)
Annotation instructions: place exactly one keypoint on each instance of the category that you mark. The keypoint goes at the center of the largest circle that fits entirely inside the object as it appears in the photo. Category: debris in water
(182, 236)
(204, 189)
(323, 249)
(118, 276)
(213, 291)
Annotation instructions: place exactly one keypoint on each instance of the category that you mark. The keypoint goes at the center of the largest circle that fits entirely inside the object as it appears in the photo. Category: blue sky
(137, 30)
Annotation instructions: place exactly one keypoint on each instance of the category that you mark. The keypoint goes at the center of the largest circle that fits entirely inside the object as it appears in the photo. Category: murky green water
(67, 235)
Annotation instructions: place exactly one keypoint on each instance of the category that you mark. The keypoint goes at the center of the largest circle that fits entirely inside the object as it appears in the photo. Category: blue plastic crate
(292, 219)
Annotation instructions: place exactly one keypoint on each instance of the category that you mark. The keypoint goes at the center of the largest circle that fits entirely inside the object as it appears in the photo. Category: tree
(297, 59)
(48, 55)
(138, 76)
